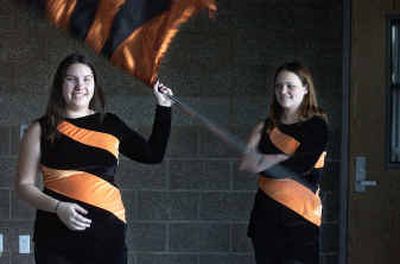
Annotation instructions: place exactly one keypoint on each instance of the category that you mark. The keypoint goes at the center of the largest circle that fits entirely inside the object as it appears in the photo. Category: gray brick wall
(192, 208)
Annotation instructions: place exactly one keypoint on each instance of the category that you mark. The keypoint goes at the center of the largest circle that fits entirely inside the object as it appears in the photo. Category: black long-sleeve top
(308, 141)
(80, 165)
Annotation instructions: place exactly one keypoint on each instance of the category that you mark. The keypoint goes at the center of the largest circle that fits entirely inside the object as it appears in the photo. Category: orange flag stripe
(150, 42)
(60, 11)
(91, 138)
(101, 26)
(87, 188)
(294, 196)
(195, 6)
(285, 143)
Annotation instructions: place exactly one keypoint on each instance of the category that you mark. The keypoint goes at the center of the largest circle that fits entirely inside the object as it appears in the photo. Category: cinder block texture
(225, 206)
(147, 236)
(199, 174)
(226, 259)
(167, 259)
(156, 205)
(198, 237)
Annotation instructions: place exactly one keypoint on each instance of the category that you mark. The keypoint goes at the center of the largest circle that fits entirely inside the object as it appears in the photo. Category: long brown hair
(309, 106)
(56, 104)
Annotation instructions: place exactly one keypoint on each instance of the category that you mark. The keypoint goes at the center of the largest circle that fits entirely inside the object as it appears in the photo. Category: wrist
(164, 104)
(57, 206)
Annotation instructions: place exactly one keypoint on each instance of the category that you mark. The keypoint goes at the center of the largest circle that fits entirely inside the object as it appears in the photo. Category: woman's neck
(290, 117)
(76, 113)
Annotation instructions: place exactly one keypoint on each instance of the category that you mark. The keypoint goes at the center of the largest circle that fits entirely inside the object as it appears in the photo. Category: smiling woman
(76, 146)
(289, 92)
(78, 89)
(287, 150)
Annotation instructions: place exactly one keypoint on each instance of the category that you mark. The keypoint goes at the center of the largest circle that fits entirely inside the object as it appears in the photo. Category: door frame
(388, 92)
(344, 155)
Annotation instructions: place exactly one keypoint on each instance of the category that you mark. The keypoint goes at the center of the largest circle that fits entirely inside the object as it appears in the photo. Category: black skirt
(102, 242)
(280, 235)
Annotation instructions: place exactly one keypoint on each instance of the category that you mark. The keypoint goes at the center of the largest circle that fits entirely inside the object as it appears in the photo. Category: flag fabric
(132, 34)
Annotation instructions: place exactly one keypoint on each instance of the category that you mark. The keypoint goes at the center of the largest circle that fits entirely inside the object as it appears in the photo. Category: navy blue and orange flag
(133, 34)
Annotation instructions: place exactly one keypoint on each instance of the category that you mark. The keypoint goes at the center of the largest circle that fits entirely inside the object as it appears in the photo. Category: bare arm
(28, 167)
(27, 171)
(252, 160)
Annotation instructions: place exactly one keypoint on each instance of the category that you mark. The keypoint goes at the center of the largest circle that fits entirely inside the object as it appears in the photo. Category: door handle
(361, 174)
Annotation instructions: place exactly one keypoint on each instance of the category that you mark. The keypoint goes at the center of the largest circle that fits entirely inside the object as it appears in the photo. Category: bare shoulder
(29, 156)
(32, 133)
(257, 129)
(256, 133)
(259, 126)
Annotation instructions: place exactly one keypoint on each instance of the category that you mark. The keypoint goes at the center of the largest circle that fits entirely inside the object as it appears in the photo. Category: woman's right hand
(250, 160)
(252, 157)
(255, 162)
(71, 215)
(163, 94)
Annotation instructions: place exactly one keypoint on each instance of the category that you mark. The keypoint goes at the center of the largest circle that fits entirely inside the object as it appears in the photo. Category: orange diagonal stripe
(87, 188)
(50, 175)
(294, 196)
(285, 143)
(100, 28)
(89, 137)
(141, 52)
(60, 11)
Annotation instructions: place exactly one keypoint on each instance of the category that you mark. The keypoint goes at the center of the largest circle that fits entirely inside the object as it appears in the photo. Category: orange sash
(294, 196)
(87, 188)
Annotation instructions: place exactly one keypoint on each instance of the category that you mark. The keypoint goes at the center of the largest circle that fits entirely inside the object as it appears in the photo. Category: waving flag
(132, 34)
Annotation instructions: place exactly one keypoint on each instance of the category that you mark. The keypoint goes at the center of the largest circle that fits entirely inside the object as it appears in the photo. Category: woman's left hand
(162, 94)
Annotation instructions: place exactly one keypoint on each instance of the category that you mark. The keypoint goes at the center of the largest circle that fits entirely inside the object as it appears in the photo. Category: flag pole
(230, 139)
(233, 141)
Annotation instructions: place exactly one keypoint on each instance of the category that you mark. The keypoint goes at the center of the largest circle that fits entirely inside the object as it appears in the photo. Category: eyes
(74, 80)
(289, 86)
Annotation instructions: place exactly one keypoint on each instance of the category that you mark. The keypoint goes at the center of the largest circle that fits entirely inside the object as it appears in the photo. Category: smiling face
(289, 91)
(78, 87)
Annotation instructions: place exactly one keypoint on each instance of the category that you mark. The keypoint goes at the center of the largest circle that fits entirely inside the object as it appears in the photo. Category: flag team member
(288, 151)
(80, 215)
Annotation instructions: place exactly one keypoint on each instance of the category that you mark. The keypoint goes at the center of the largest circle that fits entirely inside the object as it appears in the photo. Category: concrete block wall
(194, 207)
